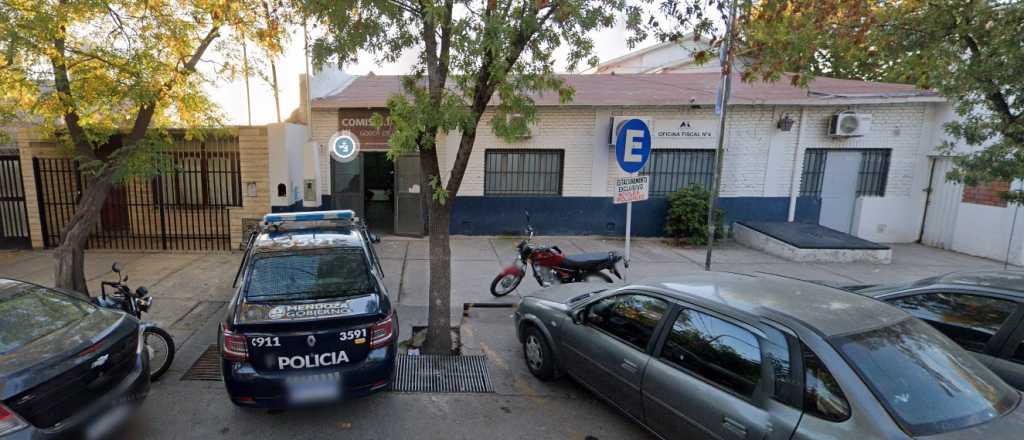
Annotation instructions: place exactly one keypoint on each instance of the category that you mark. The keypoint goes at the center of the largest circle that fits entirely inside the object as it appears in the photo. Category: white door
(839, 189)
(943, 203)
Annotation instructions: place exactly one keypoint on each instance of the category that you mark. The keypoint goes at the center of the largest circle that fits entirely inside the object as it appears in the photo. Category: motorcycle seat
(586, 260)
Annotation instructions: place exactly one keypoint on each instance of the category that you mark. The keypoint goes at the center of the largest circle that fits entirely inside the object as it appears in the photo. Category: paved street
(191, 289)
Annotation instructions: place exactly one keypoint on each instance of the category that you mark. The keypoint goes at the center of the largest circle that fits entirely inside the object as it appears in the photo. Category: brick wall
(254, 169)
(325, 124)
(759, 159)
(986, 194)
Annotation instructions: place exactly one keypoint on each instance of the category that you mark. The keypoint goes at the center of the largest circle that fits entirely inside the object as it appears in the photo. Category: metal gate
(13, 215)
(184, 209)
(943, 206)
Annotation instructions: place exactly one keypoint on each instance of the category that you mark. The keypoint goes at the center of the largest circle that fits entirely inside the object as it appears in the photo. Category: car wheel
(537, 354)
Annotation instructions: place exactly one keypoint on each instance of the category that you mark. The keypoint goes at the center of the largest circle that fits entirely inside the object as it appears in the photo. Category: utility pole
(722, 106)
(245, 73)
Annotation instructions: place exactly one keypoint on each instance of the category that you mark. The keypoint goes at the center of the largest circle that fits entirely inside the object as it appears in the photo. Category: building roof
(664, 90)
(825, 309)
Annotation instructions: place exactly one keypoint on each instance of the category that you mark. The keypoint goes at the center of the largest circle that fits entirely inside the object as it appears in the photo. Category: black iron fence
(14, 231)
(183, 209)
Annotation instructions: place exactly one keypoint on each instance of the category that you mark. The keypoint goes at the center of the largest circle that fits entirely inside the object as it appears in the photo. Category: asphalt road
(521, 407)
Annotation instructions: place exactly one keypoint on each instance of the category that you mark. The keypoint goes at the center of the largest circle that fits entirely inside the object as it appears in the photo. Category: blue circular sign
(344, 147)
(633, 145)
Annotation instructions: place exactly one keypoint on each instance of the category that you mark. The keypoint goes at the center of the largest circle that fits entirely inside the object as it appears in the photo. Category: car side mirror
(578, 316)
(374, 238)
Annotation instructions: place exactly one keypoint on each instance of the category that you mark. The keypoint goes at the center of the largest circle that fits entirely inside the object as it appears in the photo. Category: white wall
(285, 142)
(888, 219)
(984, 231)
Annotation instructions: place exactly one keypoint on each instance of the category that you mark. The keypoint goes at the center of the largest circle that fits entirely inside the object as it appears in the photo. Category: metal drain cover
(207, 367)
(442, 374)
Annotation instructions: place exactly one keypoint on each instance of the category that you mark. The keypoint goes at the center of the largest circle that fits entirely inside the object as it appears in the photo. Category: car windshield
(928, 383)
(310, 275)
(29, 312)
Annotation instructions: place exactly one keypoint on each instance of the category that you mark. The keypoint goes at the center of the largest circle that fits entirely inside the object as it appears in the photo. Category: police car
(310, 320)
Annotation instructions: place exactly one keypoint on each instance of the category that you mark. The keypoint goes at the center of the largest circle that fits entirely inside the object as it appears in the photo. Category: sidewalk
(188, 288)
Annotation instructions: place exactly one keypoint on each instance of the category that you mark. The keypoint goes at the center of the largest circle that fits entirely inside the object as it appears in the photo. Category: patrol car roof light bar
(345, 217)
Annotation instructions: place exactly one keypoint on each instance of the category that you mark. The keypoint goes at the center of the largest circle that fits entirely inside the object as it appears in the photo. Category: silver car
(731, 356)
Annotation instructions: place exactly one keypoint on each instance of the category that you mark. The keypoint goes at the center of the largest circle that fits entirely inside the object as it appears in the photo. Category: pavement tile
(475, 249)
(728, 252)
(392, 247)
(889, 274)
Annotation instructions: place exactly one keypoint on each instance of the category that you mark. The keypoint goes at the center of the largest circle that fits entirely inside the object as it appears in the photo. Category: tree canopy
(968, 50)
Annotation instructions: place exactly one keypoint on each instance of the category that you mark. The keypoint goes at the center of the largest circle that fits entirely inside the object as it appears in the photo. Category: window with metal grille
(205, 173)
(814, 173)
(671, 170)
(874, 172)
(871, 179)
(523, 172)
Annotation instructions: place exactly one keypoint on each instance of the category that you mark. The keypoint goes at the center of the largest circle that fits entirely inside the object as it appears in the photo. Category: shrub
(687, 217)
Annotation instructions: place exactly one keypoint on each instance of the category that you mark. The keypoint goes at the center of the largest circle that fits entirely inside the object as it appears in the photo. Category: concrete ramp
(809, 243)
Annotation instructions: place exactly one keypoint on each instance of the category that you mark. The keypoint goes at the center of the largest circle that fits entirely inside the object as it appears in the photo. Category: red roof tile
(664, 89)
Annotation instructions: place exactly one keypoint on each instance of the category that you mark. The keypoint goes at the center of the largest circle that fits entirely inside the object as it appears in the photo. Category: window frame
(760, 391)
(559, 152)
(812, 180)
(997, 342)
(803, 384)
(659, 329)
(646, 170)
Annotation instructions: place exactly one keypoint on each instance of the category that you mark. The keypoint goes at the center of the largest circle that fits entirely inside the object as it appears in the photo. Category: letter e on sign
(633, 145)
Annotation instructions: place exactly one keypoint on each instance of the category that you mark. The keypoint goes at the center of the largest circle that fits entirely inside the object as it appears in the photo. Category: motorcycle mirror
(527, 211)
(116, 267)
(142, 291)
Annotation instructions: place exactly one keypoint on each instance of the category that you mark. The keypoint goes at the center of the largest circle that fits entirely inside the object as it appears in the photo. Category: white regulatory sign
(631, 189)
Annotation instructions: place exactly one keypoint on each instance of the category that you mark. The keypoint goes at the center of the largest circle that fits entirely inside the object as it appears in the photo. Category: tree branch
(994, 96)
(62, 83)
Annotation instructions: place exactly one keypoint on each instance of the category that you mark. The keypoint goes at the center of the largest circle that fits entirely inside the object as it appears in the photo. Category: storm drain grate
(207, 367)
(442, 374)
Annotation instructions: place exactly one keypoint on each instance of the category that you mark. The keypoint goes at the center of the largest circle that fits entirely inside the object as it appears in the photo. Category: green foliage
(687, 217)
(968, 50)
(86, 71)
(499, 47)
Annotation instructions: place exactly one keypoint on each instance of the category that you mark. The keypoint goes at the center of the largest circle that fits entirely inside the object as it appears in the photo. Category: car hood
(1010, 425)
(563, 293)
(48, 356)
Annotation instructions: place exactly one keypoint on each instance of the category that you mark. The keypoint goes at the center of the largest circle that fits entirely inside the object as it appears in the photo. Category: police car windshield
(309, 275)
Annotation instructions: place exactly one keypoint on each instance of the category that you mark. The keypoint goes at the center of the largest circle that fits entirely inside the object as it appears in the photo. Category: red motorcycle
(550, 265)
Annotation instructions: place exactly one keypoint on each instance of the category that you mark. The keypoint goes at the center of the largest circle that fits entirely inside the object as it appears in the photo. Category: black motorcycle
(159, 343)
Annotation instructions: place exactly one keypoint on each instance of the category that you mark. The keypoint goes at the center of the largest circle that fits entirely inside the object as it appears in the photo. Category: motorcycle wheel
(505, 283)
(597, 276)
(161, 351)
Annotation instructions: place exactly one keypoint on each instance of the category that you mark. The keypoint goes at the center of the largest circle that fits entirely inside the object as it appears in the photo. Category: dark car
(311, 321)
(983, 311)
(67, 367)
(721, 355)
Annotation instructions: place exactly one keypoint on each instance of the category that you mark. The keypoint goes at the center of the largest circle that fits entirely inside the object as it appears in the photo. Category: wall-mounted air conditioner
(617, 122)
(849, 124)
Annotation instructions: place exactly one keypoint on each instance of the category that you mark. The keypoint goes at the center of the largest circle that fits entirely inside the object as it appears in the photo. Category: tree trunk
(69, 270)
(439, 324)
(439, 320)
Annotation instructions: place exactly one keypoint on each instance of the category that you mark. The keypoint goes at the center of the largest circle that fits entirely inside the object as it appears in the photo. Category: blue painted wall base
(599, 216)
(591, 215)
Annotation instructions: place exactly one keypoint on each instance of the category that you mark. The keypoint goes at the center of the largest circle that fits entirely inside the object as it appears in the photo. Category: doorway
(379, 192)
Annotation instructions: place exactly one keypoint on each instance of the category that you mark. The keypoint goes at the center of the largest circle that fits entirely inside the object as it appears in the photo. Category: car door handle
(734, 427)
(629, 366)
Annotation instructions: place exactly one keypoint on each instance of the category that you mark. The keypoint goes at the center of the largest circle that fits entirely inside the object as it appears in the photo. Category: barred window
(814, 173)
(671, 170)
(872, 176)
(523, 172)
(874, 172)
(203, 174)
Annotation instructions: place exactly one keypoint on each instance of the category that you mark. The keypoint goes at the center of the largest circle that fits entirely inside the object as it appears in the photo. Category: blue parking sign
(633, 145)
